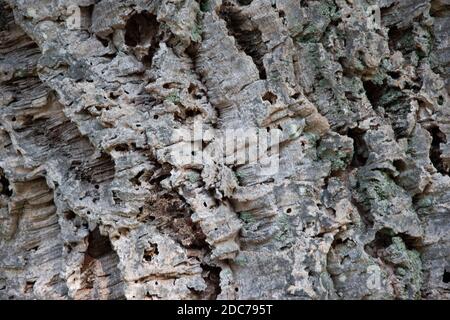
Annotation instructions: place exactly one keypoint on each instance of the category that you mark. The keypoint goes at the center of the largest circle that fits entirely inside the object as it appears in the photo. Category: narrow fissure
(211, 275)
(446, 276)
(438, 138)
(360, 150)
(248, 39)
(373, 92)
(4, 186)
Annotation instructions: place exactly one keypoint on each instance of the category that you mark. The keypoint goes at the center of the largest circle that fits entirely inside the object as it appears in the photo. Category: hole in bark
(438, 137)
(192, 51)
(383, 239)
(289, 210)
(401, 39)
(400, 165)
(5, 186)
(394, 74)
(373, 92)
(114, 95)
(155, 117)
(169, 85)
(271, 97)
(194, 91)
(192, 88)
(211, 275)
(172, 217)
(100, 276)
(116, 198)
(135, 179)
(147, 60)
(150, 252)
(121, 147)
(99, 245)
(440, 100)
(104, 42)
(140, 27)
(69, 246)
(446, 276)
(249, 41)
(360, 151)
(244, 2)
(191, 113)
(351, 97)
(29, 285)
(69, 215)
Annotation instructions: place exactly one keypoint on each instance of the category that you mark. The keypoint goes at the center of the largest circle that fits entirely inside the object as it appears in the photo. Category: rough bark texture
(93, 205)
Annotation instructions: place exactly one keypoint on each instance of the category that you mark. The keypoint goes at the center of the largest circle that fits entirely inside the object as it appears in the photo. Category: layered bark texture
(94, 94)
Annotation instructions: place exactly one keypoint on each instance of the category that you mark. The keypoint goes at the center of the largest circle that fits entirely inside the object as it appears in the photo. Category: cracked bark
(93, 205)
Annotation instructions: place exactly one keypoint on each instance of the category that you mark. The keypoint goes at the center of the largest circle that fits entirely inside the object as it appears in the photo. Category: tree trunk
(236, 149)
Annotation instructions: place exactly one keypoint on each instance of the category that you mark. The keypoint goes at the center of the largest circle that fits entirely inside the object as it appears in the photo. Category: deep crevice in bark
(438, 138)
(99, 245)
(5, 187)
(247, 38)
(360, 151)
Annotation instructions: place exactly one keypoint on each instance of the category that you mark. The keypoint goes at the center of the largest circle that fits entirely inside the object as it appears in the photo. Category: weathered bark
(95, 97)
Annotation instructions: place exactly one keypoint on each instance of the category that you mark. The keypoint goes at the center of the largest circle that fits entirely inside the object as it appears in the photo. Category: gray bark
(94, 96)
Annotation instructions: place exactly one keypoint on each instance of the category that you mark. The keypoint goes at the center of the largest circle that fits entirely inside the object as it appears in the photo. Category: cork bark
(97, 96)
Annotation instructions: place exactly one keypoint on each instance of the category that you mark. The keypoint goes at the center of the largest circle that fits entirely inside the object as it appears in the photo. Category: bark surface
(97, 96)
